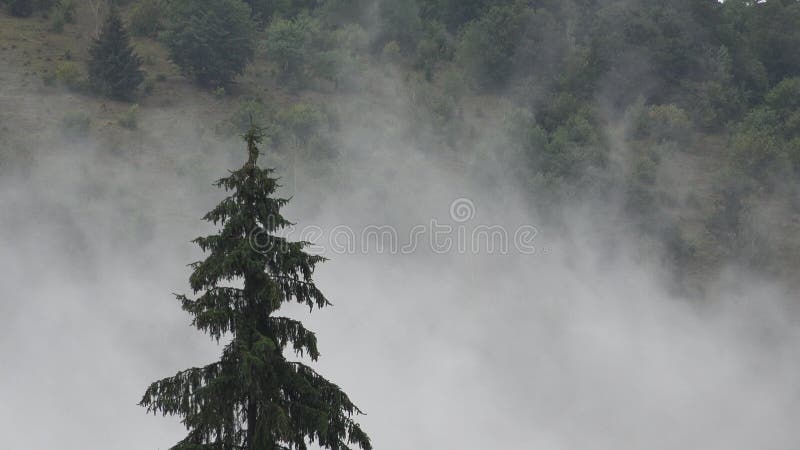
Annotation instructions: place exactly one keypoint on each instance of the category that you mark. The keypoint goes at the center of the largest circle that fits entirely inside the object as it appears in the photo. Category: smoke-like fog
(580, 345)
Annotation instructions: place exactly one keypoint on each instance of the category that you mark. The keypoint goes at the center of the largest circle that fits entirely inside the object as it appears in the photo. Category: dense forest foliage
(589, 82)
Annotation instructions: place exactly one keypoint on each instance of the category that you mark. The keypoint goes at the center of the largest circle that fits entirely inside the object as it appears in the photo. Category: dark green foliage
(435, 47)
(341, 12)
(254, 397)
(289, 47)
(265, 10)
(488, 45)
(21, 8)
(455, 13)
(766, 143)
(63, 12)
(25, 8)
(210, 40)
(664, 123)
(114, 67)
(147, 17)
(400, 22)
(562, 154)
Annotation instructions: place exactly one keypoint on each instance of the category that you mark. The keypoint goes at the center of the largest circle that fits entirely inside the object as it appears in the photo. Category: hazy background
(577, 346)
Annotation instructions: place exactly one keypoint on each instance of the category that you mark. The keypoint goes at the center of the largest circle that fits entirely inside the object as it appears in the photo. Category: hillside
(577, 115)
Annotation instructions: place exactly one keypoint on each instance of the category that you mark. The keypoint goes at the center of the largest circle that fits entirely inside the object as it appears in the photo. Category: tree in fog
(254, 397)
(114, 67)
(210, 40)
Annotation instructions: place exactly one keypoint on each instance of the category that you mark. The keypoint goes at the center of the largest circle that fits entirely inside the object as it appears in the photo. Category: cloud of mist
(579, 345)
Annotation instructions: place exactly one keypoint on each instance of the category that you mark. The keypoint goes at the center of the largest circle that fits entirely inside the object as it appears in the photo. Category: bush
(210, 40)
(76, 124)
(147, 18)
(69, 75)
(63, 13)
(57, 24)
(149, 85)
(130, 118)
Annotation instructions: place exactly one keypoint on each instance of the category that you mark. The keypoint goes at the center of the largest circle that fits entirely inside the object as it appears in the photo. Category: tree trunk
(252, 416)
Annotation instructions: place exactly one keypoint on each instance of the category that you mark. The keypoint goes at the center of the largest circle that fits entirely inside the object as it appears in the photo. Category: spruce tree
(254, 398)
(114, 67)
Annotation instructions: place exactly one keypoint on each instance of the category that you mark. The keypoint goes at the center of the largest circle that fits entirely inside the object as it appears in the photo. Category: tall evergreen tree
(254, 398)
(114, 67)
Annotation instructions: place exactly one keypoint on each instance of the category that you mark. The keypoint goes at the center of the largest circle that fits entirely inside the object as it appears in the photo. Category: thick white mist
(578, 346)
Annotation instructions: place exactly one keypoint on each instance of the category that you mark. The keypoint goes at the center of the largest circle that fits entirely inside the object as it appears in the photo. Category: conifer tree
(254, 398)
(114, 67)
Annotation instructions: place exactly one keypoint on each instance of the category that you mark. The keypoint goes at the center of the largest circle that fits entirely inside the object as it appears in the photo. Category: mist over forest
(537, 224)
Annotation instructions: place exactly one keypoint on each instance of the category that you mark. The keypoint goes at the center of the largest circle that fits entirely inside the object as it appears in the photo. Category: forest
(714, 84)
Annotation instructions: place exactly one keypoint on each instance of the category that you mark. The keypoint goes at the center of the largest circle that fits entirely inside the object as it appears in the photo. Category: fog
(581, 343)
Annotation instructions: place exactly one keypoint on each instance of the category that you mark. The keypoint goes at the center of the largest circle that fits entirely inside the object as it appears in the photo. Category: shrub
(57, 24)
(64, 11)
(68, 74)
(149, 85)
(130, 118)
